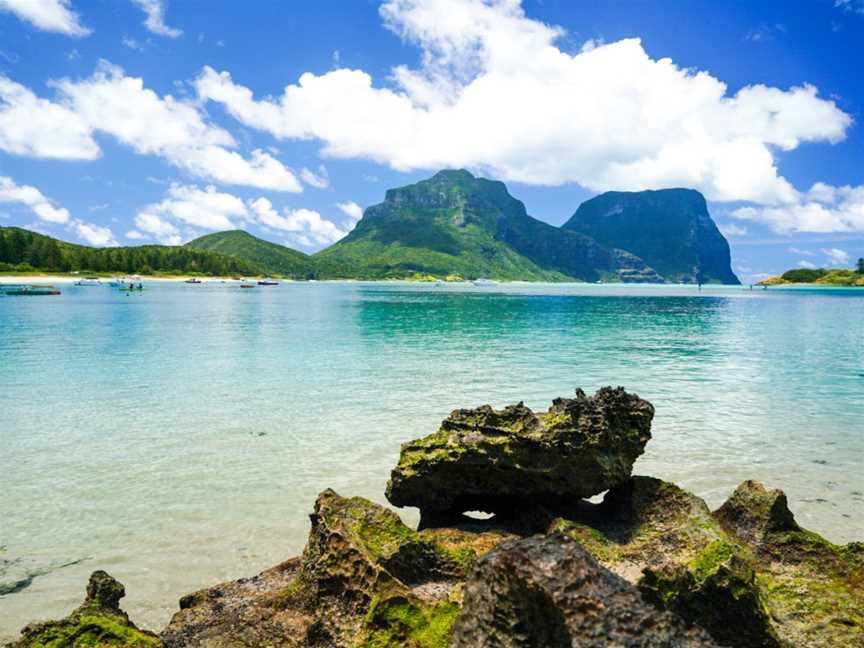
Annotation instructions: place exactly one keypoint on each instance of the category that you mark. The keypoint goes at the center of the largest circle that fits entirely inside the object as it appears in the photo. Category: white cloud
(10, 192)
(40, 128)
(31, 197)
(113, 103)
(795, 250)
(47, 15)
(155, 22)
(495, 93)
(304, 226)
(731, 229)
(158, 228)
(352, 210)
(132, 44)
(319, 181)
(836, 255)
(822, 209)
(806, 264)
(186, 208)
(94, 234)
(205, 208)
(135, 235)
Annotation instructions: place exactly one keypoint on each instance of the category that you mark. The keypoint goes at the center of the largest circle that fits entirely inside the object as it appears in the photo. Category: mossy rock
(813, 589)
(406, 622)
(98, 622)
(666, 541)
(512, 460)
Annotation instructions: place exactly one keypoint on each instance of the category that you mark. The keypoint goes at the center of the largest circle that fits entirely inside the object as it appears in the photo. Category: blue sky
(134, 121)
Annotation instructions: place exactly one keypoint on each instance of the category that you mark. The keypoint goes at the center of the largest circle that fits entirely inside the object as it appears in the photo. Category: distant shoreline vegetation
(820, 276)
(24, 251)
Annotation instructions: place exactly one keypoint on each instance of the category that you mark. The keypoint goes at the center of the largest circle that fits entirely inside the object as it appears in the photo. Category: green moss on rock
(401, 621)
(98, 622)
(512, 460)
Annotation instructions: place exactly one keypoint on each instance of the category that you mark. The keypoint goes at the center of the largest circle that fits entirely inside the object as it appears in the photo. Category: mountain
(271, 257)
(450, 224)
(457, 223)
(670, 229)
(24, 250)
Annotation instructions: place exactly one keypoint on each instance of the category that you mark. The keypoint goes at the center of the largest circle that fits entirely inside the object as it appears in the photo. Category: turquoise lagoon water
(178, 438)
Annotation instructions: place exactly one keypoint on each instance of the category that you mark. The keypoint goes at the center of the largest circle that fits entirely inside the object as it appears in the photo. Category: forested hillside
(23, 250)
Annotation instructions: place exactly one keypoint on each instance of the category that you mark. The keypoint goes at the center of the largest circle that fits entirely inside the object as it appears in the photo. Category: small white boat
(267, 281)
(483, 281)
(88, 281)
(125, 281)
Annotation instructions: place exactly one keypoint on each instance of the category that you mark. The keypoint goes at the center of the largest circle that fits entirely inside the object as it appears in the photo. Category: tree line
(23, 250)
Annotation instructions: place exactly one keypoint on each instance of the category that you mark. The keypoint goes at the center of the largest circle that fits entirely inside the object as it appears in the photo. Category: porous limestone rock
(364, 579)
(664, 540)
(547, 591)
(813, 589)
(512, 460)
(99, 622)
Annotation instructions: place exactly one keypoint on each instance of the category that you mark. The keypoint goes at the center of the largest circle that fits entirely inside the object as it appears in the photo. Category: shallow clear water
(178, 438)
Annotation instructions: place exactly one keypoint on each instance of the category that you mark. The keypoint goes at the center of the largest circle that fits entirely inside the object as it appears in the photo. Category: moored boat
(267, 281)
(89, 281)
(32, 291)
(483, 281)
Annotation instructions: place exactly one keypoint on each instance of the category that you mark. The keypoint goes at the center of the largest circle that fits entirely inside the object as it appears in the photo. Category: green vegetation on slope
(670, 229)
(450, 225)
(22, 250)
(272, 257)
(820, 276)
(456, 223)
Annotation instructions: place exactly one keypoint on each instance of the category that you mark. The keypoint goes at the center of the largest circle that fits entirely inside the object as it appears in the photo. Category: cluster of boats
(267, 281)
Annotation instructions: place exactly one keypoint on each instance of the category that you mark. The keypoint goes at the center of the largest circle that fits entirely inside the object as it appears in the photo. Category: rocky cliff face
(669, 229)
(456, 223)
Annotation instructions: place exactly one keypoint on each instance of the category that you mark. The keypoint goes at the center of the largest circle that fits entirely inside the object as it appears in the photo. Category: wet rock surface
(511, 460)
(650, 565)
(549, 592)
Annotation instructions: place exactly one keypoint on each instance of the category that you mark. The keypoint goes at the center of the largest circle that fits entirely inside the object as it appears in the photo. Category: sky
(126, 122)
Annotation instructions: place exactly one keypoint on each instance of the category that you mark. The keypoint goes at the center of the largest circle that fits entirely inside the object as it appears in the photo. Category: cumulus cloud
(10, 192)
(40, 128)
(731, 229)
(47, 15)
(206, 208)
(836, 255)
(118, 105)
(824, 208)
(155, 22)
(352, 210)
(94, 234)
(806, 264)
(46, 211)
(156, 227)
(320, 180)
(304, 227)
(494, 92)
(187, 209)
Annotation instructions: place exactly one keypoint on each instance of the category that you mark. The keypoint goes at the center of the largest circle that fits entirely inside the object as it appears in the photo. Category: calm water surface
(178, 438)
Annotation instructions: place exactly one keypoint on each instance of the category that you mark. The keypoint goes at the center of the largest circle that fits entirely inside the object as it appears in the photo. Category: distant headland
(820, 276)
